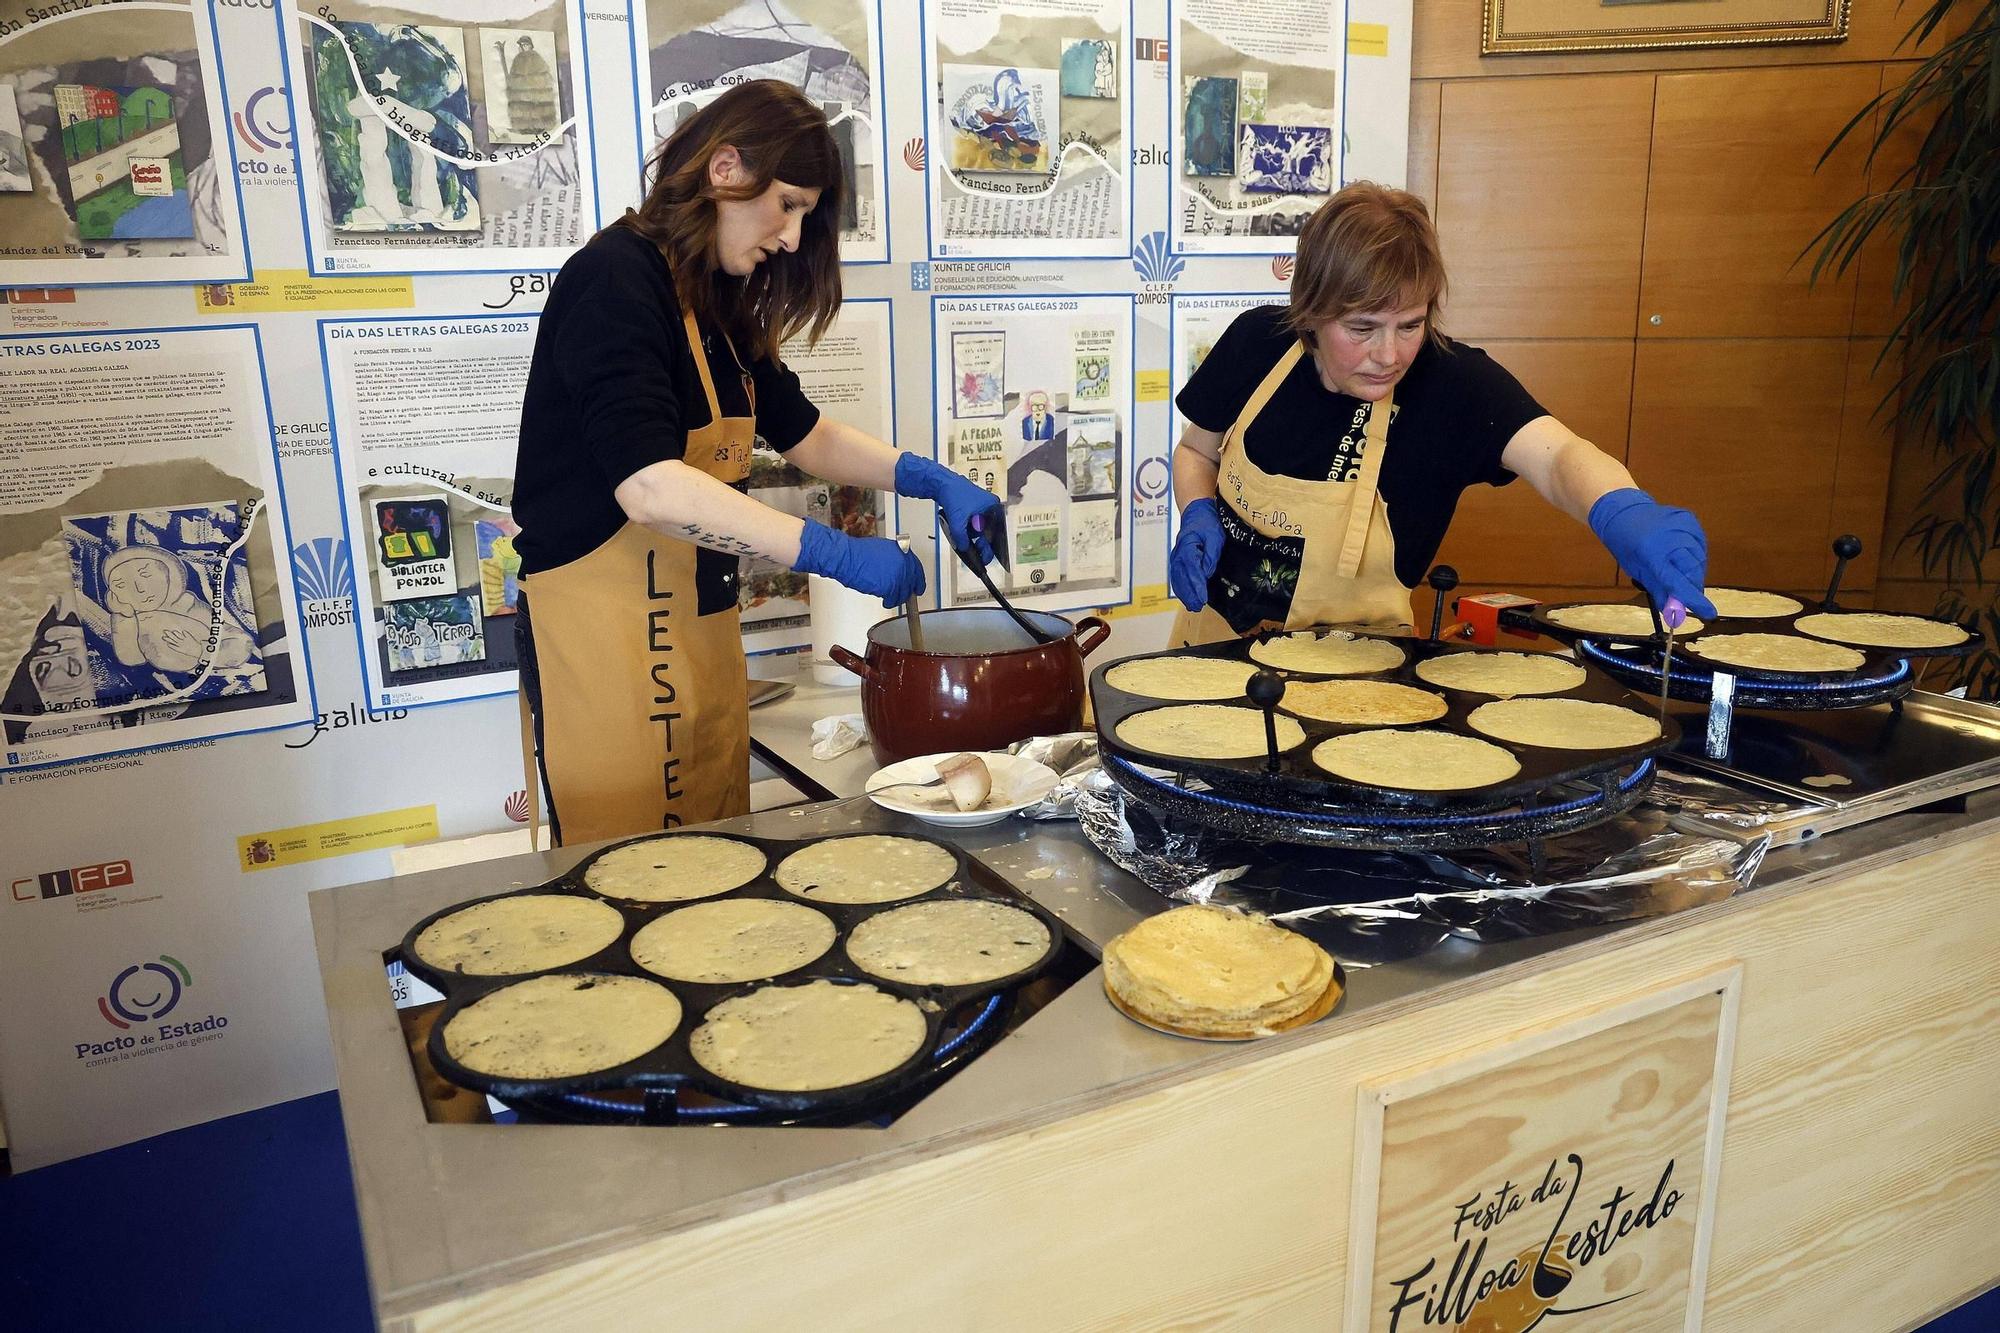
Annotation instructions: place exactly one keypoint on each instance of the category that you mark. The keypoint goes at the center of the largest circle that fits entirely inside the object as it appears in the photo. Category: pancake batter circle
(1181, 677)
(1627, 621)
(1744, 604)
(1415, 760)
(808, 1038)
(963, 942)
(1563, 724)
(869, 868)
(561, 1026)
(526, 932)
(1502, 674)
(1775, 652)
(676, 867)
(739, 939)
(1332, 653)
(1879, 630)
(1206, 731)
(1362, 703)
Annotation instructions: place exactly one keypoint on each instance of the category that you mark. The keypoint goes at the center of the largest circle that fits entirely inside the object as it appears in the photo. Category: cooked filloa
(738, 939)
(808, 1038)
(1327, 653)
(1743, 603)
(1776, 652)
(1181, 677)
(525, 932)
(562, 1026)
(1206, 731)
(1878, 629)
(1503, 675)
(1208, 971)
(869, 868)
(962, 942)
(1563, 724)
(675, 867)
(1362, 703)
(1415, 760)
(1616, 618)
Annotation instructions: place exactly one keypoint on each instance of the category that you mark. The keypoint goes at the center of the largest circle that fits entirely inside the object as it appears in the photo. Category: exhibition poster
(426, 417)
(1033, 401)
(115, 155)
(1197, 323)
(1257, 130)
(436, 136)
(687, 53)
(847, 376)
(145, 579)
(1031, 126)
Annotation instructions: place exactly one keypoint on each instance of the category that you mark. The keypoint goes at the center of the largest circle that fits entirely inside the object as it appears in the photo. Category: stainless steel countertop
(449, 1208)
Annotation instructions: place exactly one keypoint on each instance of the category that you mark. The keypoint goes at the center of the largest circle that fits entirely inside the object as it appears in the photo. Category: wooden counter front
(1195, 1184)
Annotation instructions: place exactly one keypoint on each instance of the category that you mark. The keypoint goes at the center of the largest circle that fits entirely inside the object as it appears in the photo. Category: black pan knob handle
(1444, 578)
(1265, 689)
(1847, 546)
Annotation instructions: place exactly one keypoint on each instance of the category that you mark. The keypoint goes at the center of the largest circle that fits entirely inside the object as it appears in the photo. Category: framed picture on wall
(1518, 27)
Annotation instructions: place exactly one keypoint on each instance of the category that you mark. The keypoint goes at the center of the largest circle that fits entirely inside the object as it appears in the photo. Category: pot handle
(847, 659)
(1092, 631)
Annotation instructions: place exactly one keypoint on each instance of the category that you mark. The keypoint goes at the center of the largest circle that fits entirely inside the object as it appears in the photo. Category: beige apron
(1347, 572)
(645, 715)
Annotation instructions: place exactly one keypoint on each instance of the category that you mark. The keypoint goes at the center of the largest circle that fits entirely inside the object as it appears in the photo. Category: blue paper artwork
(380, 175)
(1286, 159)
(1208, 127)
(433, 631)
(1088, 69)
(121, 149)
(161, 596)
(1002, 118)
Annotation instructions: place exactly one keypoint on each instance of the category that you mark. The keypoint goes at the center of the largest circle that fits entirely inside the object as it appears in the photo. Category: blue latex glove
(873, 565)
(1661, 547)
(957, 500)
(1196, 550)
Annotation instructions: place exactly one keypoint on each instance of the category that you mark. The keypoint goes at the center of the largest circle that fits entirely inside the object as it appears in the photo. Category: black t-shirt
(1455, 411)
(613, 388)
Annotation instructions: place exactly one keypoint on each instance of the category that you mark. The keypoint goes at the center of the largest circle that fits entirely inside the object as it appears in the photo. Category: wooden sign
(1570, 1169)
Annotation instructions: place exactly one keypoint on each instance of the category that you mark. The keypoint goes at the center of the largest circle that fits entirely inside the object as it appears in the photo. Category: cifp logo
(75, 880)
(144, 992)
(265, 123)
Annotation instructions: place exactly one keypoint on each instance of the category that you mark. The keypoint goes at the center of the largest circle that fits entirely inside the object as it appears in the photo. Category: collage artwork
(433, 617)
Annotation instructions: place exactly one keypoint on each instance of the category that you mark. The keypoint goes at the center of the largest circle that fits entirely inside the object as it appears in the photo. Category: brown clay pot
(979, 684)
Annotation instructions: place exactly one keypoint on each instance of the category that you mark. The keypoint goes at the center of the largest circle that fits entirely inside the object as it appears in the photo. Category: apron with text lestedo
(1347, 568)
(644, 713)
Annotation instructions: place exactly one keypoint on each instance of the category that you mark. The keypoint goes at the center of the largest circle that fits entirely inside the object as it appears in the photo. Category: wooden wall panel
(1512, 535)
(1422, 177)
(1541, 203)
(1861, 474)
(1446, 46)
(1734, 198)
(1745, 433)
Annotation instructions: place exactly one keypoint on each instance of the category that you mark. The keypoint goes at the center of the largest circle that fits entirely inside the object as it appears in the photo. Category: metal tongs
(993, 525)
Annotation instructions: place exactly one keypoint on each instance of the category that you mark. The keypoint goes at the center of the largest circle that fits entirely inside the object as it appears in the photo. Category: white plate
(1017, 784)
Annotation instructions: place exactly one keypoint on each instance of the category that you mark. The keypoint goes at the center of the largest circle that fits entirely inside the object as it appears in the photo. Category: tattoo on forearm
(716, 541)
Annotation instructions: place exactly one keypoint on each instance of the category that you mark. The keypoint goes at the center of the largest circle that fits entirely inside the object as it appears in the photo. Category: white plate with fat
(1017, 784)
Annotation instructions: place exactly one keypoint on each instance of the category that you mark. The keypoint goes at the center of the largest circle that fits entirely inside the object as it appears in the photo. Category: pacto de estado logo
(75, 880)
(144, 992)
(265, 122)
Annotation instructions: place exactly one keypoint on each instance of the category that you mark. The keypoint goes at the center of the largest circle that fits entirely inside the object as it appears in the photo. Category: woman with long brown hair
(1328, 442)
(655, 366)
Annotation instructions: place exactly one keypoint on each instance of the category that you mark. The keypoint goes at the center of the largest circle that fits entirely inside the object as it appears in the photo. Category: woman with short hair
(1328, 442)
(655, 366)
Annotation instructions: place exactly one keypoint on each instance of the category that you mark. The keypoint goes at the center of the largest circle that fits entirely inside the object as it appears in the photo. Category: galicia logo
(264, 125)
(323, 570)
(1154, 263)
(144, 992)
